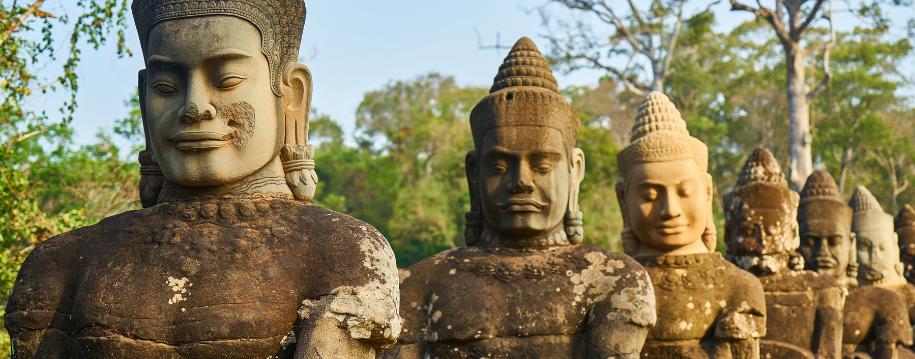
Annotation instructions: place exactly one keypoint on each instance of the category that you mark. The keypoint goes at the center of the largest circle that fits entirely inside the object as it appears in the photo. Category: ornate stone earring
(151, 178)
(852, 270)
(473, 226)
(574, 227)
(299, 166)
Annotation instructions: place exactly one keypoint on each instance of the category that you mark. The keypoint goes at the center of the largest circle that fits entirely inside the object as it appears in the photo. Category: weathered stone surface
(228, 259)
(803, 308)
(904, 225)
(203, 278)
(524, 288)
(875, 319)
(707, 307)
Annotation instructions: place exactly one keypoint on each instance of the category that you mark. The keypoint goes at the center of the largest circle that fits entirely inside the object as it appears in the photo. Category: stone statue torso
(803, 315)
(199, 279)
(505, 303)
(874, 314)
(701, 297)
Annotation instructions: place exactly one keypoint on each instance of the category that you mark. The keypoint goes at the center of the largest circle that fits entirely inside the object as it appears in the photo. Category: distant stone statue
(707, 307)
(524, 287)
(229, 260)
(905, 228)
(875, 319)
(878, 248)
(803, 308)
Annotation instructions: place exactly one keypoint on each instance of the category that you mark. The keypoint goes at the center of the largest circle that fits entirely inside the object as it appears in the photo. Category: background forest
(401, 170)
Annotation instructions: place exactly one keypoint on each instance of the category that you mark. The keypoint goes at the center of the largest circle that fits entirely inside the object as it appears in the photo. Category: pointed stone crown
(524, 93)
(659, 135)
(280, 23)
(905, 218)
(761, 166)
(864, 201)
(657, 113)
(821, 186)
(525, 66)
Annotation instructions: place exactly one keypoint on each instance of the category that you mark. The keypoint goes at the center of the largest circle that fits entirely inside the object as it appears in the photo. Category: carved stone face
(907, 247)
(667, 203)
(878, 250)
(524, 179)
(210, 111)
(826, 244)
(761, 220)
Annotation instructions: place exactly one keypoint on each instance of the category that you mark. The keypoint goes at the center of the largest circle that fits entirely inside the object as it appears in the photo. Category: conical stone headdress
(820, 199)
(280, 23)
(660, 135)
(864, 201)
(868, 213)
(905, 218)
(762, 200)
(524, 93)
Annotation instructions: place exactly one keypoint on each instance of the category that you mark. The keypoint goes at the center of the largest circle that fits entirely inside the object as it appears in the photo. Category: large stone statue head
(824, 220)
(524, 172)
(665, 192)
(222, 96)
(878, 244)
(905, 229)
(761, 230)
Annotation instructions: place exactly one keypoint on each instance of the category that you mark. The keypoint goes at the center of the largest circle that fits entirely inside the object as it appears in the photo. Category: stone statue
(905, 229)
(803, 308)
(878, 248)
(229, 260)
(875, 319)
(524, 287)
(709, 308)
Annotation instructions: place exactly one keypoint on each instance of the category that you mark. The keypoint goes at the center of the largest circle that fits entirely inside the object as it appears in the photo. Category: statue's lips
(198, 140)
(826, 263)
(521, 205)
(672, 228)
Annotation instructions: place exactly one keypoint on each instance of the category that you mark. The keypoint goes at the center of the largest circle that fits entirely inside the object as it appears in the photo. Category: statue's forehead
(203, 34)
(525, 138)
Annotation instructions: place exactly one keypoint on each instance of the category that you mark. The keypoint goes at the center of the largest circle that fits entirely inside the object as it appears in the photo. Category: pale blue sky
(361, 45)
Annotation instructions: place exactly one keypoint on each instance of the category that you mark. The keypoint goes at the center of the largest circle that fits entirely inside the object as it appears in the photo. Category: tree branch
(796, 33)
(767, 14)
(20, 20)
(827, 72)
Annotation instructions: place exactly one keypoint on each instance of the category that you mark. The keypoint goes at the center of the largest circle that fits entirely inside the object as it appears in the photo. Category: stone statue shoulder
(874, 314)
(825, 288)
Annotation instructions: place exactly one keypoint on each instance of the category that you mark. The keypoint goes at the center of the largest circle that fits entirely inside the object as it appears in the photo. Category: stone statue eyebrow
(654, 183)
(500, 150)
(222, 56)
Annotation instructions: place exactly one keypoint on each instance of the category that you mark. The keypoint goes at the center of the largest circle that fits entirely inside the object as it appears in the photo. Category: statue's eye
(650, 194)
(685, 192)
(165, 89)
(543, 167)
(498, 168)
(230, 82)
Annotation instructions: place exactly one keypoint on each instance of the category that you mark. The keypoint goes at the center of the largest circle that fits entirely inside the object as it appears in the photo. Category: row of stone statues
(229, 259)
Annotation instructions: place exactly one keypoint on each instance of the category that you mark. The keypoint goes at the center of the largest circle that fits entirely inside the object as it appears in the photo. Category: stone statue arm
(618, 325)
(37, 294)
(828, 323)
(413, 294)
(742, 322)
(360, 317)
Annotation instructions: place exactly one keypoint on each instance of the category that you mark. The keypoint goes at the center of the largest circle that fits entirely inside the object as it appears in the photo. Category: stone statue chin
(229, 259)
(803, 308)
(524, 287)
(875, 319)
(665, 197)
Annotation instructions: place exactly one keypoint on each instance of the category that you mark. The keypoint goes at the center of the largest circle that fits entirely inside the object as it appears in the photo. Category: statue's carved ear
(471, 168)
(578, 166)
(297, 88)
(141, 87)
(853, 251)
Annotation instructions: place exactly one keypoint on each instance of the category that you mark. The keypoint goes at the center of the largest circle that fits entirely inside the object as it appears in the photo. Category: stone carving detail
(228, 259)
(524, 288)
(875, 319)
(803, 308)
(905, 228)
(711, 308)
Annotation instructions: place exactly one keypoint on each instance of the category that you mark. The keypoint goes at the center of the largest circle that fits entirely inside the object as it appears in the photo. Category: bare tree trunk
(846, 166)
(799, 115)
